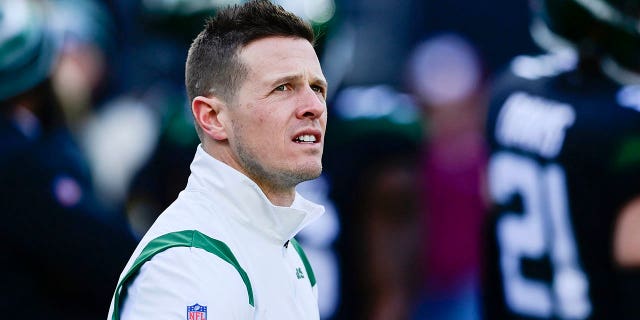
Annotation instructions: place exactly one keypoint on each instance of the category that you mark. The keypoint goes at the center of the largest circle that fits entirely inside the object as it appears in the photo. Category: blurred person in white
(225, 248)
(116, 129)
(564, 170)
(63, 250)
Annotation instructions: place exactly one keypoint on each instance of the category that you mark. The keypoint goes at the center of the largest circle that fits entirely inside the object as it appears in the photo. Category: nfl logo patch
(196, 312)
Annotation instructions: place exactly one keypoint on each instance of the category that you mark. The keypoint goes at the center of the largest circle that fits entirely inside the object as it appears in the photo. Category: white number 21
(544, 227)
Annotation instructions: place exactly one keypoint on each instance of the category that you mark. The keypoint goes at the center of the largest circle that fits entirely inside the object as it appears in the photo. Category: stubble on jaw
(276, 180)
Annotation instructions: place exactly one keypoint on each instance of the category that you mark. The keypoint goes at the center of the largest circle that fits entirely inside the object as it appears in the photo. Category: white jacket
(221, 251)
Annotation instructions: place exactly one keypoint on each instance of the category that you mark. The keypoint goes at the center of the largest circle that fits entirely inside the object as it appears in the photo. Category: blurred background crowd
(92, 155)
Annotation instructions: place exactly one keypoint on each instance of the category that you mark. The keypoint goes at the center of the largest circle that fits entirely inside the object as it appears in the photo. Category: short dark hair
(213, 64)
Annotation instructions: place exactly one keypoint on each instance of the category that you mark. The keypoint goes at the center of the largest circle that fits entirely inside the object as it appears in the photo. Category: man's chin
(309, 172)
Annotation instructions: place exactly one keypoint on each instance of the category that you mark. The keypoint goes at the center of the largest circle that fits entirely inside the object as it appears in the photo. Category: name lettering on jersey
(546, 65)
(534, 124)
(629, 97)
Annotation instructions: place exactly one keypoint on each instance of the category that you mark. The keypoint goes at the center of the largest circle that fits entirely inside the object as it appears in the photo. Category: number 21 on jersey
(542, 228)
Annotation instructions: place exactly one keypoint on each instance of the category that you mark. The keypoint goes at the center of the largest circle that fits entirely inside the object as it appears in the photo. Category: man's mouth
(305, 138)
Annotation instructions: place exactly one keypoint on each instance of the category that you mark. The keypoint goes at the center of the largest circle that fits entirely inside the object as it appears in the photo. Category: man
(63, 249)
(564, 171)
(225, 249)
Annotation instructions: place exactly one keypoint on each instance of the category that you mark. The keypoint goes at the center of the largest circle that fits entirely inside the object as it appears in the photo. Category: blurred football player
(564, 169)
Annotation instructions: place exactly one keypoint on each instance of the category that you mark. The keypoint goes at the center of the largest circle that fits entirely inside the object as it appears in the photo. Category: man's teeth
(306, 138)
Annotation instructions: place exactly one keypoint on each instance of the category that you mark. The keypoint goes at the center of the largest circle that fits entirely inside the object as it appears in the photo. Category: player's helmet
(606, 28)
(28, 48)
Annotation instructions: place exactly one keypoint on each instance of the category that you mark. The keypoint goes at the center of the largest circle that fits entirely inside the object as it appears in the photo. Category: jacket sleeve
(180, 277)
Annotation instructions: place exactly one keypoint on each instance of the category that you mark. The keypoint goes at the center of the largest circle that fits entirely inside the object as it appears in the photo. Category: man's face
(279, 117)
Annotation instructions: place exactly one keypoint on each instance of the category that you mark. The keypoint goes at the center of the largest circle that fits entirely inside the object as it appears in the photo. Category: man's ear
(208, 113)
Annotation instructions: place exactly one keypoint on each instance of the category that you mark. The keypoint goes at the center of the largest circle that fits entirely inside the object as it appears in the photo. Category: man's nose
(311, 104)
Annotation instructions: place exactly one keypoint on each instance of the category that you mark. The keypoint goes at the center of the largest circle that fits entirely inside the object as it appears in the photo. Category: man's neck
(278, 197)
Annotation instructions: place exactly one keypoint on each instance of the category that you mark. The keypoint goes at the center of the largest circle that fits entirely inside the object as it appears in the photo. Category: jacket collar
(247, 203)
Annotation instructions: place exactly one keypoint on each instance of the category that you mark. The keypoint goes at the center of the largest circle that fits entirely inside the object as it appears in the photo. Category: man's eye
(318, 89)
(282, 87)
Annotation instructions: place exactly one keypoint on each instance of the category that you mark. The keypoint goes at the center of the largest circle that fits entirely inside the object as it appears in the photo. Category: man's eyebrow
(295, 77)
(320, 82)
